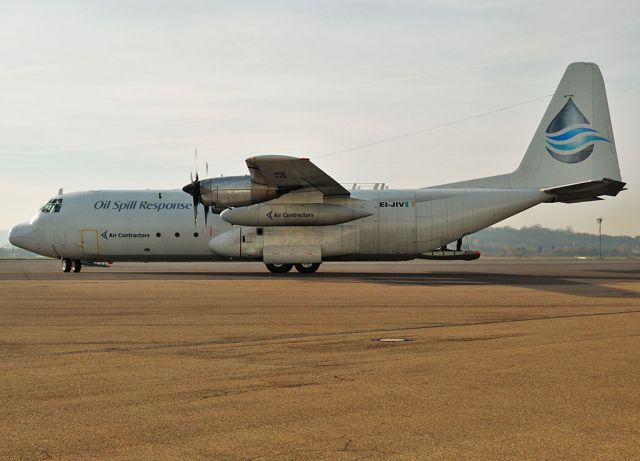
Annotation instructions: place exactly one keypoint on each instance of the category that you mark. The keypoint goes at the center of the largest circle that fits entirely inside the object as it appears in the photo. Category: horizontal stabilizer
(585, 191)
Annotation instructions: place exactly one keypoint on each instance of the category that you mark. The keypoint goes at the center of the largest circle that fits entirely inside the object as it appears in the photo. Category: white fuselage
(156, 225)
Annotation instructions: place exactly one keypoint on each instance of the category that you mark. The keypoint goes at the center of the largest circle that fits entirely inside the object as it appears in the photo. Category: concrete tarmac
(505, 360)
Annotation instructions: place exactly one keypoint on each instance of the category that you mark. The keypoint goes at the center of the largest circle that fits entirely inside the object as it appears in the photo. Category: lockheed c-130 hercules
(289, 213)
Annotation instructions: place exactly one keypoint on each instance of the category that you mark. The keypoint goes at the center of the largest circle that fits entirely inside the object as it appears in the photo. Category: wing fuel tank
(295, 214)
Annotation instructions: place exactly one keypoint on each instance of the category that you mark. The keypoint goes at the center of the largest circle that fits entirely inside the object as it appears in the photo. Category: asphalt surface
(504, 360)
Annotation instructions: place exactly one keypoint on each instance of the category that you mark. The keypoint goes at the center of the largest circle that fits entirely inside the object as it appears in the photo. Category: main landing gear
(284, 268)
(69, 265)
(279, 268)
(307, 268)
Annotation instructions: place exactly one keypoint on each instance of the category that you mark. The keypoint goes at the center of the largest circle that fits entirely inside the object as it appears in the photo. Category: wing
(292, 173)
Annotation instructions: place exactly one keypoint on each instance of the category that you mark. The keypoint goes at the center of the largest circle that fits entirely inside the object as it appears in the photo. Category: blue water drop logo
(570, 137)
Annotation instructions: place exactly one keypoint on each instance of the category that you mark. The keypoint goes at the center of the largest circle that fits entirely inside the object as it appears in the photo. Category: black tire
(66, 265)
(279, 268)
(77, 265)
(307, 268)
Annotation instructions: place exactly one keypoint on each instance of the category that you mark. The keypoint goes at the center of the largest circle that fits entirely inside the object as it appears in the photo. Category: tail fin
(574, 142)
(573, 145)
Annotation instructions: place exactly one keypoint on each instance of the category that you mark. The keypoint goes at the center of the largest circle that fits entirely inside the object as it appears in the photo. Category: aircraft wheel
(307, 268)
(66, 265)
(77, 265)
(279, 268)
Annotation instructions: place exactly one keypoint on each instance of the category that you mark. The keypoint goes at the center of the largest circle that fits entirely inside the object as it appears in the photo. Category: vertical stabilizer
(574, 141)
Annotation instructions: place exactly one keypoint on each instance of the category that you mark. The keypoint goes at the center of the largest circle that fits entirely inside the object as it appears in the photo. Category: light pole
(599, 220)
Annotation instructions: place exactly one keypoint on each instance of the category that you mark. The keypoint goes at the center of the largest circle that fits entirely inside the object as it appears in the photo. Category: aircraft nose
(21, 236)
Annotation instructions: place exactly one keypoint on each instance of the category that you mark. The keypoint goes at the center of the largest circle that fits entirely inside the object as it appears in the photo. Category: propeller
(193, 189)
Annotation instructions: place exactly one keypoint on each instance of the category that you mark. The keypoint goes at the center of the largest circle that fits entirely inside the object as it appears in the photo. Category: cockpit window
(52, 206)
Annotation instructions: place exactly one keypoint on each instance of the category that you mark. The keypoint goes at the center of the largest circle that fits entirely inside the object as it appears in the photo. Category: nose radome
(21, 235)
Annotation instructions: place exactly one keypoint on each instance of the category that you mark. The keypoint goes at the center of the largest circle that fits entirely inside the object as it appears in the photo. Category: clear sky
(116, 94)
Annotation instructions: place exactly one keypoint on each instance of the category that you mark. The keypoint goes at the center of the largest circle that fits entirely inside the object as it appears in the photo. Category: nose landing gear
(77, 265)
(68, 264)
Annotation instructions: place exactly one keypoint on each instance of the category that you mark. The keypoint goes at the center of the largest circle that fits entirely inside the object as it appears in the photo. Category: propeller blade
(193, 189)
(196, 159)
(195, 210)
(206, 169)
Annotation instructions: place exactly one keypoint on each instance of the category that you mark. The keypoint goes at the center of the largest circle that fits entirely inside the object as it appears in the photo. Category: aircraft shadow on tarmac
(620, 271)
(580, 286)
(576, 284)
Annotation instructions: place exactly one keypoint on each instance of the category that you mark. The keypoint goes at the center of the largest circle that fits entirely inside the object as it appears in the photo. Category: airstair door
(89, 242)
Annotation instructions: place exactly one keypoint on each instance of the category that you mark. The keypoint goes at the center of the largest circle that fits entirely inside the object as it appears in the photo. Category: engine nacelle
(235, 191)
